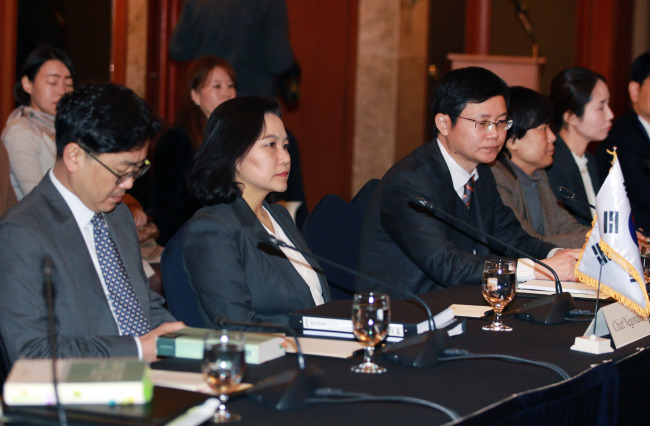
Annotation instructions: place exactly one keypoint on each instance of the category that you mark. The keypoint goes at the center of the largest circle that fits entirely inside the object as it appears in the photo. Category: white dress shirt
(581, 162)
(298, 261)
(459, 177)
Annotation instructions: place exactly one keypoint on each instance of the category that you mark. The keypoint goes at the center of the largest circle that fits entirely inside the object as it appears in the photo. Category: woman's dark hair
(33, 64)
(190, 115)
(571, 91)
(528, 109)
(233, 128)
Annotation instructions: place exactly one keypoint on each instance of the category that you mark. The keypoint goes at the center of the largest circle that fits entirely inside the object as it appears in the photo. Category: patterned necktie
(468, 191)
(130, 317)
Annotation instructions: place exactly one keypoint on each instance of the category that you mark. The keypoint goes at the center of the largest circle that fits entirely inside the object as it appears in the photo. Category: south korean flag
(612, 243)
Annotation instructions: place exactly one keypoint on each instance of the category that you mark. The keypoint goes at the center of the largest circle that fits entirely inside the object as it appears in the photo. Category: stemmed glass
(370, 319)
(223, 368)
(499, 284)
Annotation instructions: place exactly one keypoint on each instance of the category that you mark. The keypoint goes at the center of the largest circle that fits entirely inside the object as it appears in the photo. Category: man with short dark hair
(75, 219)
(407, 247)
(630, 135)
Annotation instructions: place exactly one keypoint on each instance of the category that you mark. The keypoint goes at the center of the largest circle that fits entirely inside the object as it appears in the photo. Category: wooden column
(9, 13)
(477, 26)
(603, 44)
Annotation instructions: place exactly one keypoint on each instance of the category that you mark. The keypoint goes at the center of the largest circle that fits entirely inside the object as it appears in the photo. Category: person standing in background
(252, 35)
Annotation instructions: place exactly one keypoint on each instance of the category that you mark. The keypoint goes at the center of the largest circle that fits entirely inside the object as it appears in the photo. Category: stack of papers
(578, 290)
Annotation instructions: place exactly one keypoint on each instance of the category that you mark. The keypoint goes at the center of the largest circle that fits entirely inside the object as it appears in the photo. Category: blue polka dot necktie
(130, 317)
(468, 191)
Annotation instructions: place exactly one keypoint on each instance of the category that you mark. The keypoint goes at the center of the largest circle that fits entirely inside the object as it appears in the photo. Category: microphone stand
(522, 14)
(547, 310)
(48, 267)
(287, 390)
(419, 351)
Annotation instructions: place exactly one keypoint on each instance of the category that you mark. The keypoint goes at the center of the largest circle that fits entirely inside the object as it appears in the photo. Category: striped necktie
(468, 191)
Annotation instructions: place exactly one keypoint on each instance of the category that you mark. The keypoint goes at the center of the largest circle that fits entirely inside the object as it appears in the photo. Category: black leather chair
(181, 298)
(333, 230)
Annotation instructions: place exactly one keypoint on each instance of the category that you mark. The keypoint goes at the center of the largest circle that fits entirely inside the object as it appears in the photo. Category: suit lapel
(273, 255)
(71, 240)
(293, 234)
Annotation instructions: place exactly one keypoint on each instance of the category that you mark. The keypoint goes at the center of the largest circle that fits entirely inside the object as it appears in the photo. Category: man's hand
(563, 263)
(642, 239)
(148, 341)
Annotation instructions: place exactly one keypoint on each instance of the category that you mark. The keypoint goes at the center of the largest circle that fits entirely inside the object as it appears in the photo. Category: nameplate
(624, 325)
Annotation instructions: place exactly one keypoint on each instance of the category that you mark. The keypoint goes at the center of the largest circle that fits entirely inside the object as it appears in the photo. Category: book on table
(80, 381)
(188, 343)
(333, 319)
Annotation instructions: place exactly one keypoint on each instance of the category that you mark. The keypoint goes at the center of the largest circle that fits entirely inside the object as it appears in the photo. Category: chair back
(362, 199)
(333, 230)
(180, 296)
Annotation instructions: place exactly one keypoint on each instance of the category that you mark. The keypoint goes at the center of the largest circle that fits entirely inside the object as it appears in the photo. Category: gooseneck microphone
(545, 310)
(48, 269)
(287, 390)
(421, 350)
(522, 14)
(569, 194)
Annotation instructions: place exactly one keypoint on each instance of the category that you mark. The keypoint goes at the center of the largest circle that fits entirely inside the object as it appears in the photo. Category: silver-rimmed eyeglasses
(487, 125)
(134, 174)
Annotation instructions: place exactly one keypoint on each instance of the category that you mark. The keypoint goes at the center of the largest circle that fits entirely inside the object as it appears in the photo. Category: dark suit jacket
(41, 225)
(237, 278)
(410, 248)
(633, 148)
(564, 172)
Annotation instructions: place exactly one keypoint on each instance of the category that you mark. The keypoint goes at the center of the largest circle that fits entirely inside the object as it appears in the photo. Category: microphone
(567, 193)
(421, 350)
(48, 269)
(522, 14)
(286, 390)
(546, 310)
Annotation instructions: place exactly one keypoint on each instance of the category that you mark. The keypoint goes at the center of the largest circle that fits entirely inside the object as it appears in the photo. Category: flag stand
(593, 344)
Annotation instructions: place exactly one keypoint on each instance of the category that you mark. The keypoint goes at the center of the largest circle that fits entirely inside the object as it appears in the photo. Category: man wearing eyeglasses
(75, 221)
(405, 246)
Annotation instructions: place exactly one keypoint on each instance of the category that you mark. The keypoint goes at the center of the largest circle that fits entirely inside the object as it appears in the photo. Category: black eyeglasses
(486, 125)
(120, 177)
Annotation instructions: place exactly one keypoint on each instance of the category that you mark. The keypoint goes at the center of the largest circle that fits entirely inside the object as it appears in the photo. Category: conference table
(603, 389)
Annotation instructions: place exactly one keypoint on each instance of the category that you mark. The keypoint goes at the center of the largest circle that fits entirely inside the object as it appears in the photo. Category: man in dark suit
(75, 218)
(630, 135)
(405, 246)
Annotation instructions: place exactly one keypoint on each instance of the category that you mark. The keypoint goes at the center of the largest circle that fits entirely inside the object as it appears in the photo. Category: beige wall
(136, 47)
(390, 99)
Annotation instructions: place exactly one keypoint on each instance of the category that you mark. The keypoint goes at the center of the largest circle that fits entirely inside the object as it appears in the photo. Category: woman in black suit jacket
(581, 115)
(235, 274)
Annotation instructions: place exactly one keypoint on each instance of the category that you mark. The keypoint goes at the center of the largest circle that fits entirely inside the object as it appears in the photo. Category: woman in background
(48, 73)
(234, 272)
(582, 115)
(520, 175)
(211, 81)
